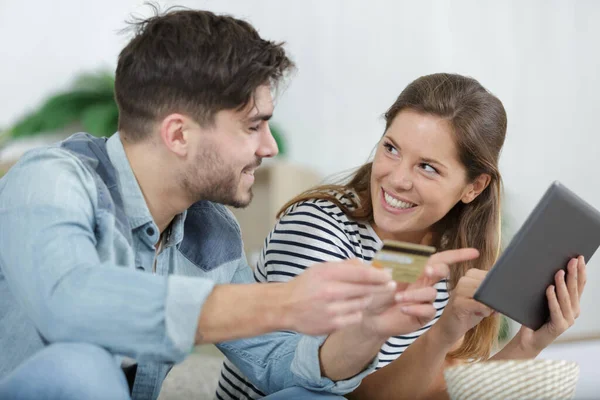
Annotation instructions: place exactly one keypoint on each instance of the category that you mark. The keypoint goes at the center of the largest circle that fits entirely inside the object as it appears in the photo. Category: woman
(434, 179)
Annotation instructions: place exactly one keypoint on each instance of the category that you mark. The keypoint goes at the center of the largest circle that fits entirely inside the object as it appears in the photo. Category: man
(118, 256)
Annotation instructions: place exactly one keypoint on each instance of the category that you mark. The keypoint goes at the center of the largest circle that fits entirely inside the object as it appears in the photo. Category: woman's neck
(420, 237)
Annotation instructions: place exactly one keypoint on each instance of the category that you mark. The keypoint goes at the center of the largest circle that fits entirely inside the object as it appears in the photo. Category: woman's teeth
(396, 203)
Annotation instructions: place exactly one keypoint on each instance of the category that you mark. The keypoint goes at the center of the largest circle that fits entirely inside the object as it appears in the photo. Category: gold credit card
(406, 261)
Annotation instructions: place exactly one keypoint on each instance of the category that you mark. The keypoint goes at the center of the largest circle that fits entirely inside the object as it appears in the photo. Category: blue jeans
(75, 371)
(67, 371)
(296, 393)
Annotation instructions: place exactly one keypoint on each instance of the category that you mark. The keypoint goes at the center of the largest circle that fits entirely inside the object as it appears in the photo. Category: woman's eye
(390, 149)
(254, 128)
(428, 168)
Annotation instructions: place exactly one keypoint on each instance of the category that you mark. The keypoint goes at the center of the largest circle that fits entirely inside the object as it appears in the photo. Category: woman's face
(417, 177)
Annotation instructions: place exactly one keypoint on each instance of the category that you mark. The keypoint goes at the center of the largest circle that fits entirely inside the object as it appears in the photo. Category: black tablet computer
(562, 226)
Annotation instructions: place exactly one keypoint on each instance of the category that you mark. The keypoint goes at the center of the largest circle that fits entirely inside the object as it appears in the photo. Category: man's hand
(330, 296)
(319, 301)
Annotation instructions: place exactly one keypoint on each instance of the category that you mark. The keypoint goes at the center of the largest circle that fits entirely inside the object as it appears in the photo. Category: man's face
(225, 155)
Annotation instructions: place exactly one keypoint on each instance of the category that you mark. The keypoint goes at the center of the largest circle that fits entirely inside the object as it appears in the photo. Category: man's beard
(215, 180)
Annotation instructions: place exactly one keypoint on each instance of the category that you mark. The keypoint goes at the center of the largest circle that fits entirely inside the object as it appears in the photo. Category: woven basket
(513, 379)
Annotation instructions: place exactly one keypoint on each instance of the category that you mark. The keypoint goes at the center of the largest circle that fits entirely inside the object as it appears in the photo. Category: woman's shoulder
(330, 216)
(335, 206)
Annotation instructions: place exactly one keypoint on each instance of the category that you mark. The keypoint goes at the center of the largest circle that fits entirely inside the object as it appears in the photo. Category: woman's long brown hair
(478, 120)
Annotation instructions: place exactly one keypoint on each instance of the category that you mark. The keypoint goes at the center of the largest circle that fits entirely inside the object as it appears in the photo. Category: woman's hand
(563, 302)
(463, 312)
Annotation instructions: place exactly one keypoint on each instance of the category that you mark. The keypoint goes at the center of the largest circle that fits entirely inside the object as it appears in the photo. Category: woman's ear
(475, 188)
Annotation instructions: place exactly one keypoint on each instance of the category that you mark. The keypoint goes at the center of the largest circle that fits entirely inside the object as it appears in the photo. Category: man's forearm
(411, 376)
(238, 311)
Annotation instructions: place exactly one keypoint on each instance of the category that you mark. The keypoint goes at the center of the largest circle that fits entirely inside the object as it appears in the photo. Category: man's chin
(242, 201)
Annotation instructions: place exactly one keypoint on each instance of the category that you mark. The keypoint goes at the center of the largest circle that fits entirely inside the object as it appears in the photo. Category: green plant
(90, 102)
(504, 331)
(276, 132)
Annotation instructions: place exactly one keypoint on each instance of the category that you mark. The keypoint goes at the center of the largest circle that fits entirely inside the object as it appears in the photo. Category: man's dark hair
(192, 62)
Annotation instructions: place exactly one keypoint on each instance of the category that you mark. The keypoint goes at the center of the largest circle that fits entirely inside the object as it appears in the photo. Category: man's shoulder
(50, 181)
(49, 155)
(45, 167)
(56, 158)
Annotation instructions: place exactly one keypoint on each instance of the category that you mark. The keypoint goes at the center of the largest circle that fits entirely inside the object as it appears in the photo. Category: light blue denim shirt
(70, 273)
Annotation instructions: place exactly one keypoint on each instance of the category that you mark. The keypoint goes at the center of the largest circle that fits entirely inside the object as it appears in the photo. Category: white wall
(585, 354)
(540, 57)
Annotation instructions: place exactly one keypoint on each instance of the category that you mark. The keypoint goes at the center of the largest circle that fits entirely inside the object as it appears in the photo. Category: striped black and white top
(311, 232)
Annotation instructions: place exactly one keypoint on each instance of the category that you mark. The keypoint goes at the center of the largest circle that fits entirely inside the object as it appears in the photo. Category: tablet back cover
(561, 226)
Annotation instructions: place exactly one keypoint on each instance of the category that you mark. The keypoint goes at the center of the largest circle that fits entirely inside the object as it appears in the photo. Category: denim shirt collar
(134, 203)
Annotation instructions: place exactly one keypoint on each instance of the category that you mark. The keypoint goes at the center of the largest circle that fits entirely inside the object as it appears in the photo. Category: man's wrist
(274, 310)
(236, 311)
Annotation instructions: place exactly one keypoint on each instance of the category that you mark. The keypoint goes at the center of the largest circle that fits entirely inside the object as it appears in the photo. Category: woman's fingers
(572, 285)
(564, 300)
(432, 274)
(556, 315)
(453, 256)
(437, 272)
(581, 274)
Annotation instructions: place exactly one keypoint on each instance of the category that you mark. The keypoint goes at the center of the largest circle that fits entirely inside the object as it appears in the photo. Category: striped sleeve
(306, 234)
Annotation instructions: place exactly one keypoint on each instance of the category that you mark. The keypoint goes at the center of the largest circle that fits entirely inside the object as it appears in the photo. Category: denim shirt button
(150, 231)
(139, 267)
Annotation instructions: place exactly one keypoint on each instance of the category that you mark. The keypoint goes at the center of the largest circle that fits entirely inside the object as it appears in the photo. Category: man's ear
(174, 133)
(475, 188)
